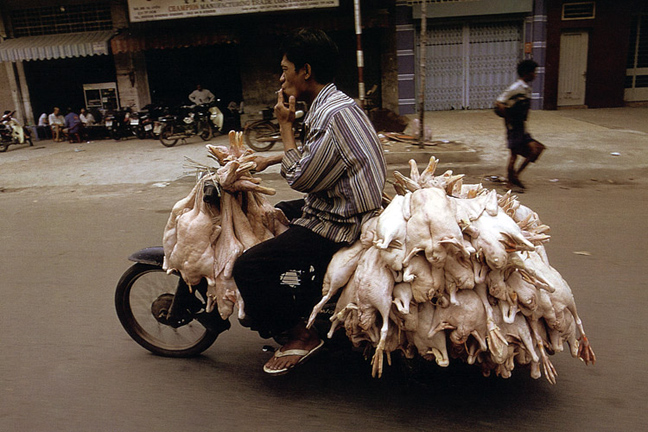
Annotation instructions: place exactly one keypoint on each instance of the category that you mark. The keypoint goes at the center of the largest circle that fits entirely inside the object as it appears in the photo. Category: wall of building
(471, 51)
(6, 100)
(256, 39)
(132, 80)
(609, 34)
(260, 69)
(389, 68)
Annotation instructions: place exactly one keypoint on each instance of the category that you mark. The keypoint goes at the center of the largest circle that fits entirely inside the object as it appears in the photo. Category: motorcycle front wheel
(166, 136)
(261, 136)
(143, 296)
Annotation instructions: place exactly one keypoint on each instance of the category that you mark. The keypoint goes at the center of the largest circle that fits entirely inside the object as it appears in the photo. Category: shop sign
(155, 10)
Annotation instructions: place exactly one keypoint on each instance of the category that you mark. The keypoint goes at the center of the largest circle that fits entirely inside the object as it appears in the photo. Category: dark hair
(312, 46)
(526, 67)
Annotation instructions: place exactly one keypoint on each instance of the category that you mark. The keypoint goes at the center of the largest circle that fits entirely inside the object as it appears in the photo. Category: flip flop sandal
(305, 355)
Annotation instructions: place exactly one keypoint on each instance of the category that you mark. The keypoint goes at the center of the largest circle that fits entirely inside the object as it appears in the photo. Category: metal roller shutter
(469, 65)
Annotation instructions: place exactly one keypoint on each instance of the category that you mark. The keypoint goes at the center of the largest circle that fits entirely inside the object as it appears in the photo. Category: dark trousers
(265, 275)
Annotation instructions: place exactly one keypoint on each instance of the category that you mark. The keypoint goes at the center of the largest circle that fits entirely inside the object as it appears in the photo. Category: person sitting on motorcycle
(57, 123)
(340, 167)
(8, 120)
(201, 96)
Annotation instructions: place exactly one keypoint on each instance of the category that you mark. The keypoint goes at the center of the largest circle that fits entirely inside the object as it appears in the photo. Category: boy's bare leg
(512, 173)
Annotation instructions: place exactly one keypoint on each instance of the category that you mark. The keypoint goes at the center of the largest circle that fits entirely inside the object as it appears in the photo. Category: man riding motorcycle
(340, 167)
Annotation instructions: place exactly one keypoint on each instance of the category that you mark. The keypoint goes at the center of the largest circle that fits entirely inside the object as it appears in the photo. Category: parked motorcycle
(120, 125)
(12, 132)
(147, 118)
(261, 135)
(222, 118)
(190, 120)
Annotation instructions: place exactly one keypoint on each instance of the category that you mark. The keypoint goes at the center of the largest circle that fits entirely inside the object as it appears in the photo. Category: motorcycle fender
(150, 255)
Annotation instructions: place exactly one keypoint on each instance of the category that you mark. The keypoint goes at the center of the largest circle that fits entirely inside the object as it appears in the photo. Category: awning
(130, 41)
(64, 45)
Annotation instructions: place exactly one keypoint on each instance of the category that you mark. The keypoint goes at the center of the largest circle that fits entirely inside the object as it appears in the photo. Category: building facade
(129, 53)
(590, 53)
(597, 53)
(105, 54)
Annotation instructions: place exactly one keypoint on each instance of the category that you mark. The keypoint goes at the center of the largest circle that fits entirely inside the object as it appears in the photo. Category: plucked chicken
(457, 269)
(202, 240)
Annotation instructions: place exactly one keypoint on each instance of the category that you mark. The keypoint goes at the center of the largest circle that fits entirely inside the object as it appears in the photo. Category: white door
(572, 69)
(636, 87)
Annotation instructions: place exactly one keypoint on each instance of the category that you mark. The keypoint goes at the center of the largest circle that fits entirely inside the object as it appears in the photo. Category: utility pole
(422, 50)
(359, 52)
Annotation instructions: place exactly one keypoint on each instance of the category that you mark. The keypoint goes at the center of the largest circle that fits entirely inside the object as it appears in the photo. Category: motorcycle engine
(189, 119)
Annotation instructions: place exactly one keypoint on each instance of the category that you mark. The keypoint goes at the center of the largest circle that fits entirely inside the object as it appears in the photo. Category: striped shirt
(341, 167)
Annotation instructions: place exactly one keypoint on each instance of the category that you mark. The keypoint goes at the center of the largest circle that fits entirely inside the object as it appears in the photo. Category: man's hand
(285, 113)
(263, 162)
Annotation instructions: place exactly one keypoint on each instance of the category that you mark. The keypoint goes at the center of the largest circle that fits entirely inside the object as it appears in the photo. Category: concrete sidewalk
(603, 144)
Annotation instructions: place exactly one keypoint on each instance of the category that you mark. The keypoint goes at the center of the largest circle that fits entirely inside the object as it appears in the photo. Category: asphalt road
(67, 365)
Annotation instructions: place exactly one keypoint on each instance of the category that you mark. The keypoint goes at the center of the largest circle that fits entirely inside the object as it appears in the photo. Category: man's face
(292, 81)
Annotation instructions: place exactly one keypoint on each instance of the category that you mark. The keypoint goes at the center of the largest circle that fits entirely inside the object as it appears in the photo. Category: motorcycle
(261, 135)
(144, 121)
(190, 120)
(161, 313)
(120, 125)
(222, 119)
(12, 132)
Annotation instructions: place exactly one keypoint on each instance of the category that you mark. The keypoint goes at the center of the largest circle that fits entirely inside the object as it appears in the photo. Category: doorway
(636, 85)
(468, 65)
(174, 73)
(572, 69)
(60, 82)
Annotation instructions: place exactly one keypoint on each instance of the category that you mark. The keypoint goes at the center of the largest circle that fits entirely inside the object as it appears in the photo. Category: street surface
(67, 365)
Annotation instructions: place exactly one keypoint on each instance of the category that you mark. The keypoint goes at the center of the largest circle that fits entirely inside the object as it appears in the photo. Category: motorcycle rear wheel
(261, 135)
(146, 290)
(3, 147)
(165, 136)
(204, 131)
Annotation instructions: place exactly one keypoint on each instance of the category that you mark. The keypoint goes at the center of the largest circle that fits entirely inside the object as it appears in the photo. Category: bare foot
(302, 339)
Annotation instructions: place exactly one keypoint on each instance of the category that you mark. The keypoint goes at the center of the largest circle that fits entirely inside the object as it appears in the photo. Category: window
(577, 11)
(61, 19)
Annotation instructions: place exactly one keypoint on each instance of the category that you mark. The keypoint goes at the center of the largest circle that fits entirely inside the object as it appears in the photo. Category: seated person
(73, 125)
(43, 129)
(57, 123)
(86, 117)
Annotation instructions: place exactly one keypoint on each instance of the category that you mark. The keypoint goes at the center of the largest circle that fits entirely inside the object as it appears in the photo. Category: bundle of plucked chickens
(445, 270)
(202, 240)
(454, 269)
